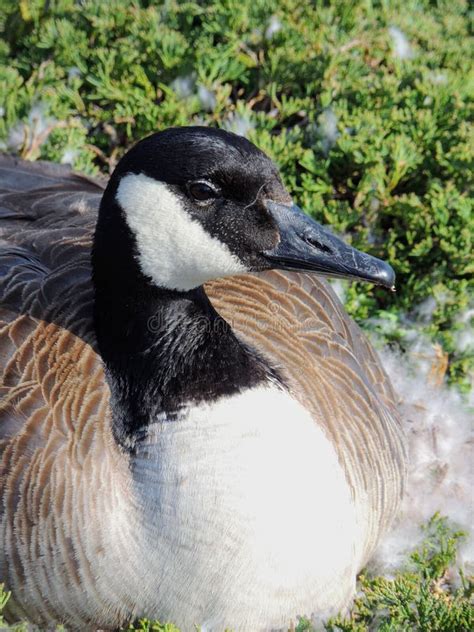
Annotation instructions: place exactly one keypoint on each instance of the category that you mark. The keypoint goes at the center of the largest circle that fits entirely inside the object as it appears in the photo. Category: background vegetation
(367, 107)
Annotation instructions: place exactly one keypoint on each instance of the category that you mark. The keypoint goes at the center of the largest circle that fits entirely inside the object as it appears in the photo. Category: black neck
(162, 349)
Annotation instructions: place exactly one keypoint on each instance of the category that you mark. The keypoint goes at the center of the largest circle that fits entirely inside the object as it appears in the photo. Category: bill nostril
(318, 244)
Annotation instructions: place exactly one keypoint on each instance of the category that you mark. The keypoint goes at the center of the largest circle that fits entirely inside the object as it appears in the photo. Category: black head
(200, 203)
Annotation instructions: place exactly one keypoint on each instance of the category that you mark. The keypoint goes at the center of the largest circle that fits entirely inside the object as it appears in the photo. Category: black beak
(306, 245)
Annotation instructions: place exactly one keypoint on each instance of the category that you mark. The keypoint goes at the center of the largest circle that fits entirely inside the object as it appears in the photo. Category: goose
(192, 427)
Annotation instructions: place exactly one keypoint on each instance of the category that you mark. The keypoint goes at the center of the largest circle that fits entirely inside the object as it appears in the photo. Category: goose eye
(202, 191)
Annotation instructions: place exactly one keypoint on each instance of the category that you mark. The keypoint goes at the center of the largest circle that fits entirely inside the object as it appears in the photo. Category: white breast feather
(248, 517)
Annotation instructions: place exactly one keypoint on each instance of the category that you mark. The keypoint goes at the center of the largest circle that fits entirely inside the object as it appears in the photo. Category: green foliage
(418, 599)
(378, 146)
(4, 597)
(152, 626)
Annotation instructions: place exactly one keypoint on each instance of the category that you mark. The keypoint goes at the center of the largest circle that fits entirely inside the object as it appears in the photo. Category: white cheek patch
(173, 249)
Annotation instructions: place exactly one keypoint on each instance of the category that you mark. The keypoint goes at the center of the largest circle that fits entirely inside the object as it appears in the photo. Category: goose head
(198, 203)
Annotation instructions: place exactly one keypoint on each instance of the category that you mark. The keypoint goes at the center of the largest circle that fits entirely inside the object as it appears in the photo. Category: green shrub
(420, 598)
(375, 144)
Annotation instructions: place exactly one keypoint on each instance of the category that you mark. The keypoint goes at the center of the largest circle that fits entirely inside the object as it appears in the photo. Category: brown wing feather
(299, 323)
(55, 436)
